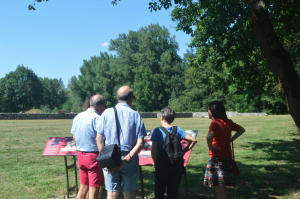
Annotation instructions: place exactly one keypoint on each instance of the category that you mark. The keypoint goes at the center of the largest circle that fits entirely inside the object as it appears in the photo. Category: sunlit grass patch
(268, 156)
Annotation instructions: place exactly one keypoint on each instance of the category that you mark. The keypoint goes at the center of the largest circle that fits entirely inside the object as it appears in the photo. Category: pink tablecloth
(64, 146)
(145, 154)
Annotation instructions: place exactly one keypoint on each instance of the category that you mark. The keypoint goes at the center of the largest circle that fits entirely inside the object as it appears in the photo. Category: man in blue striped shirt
(132, 132)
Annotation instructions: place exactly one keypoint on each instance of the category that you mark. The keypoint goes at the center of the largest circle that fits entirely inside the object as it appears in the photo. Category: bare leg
(82, 191)
(99, 194)
(112, 195)
(93, 192)
(221, 192)
(129, 195)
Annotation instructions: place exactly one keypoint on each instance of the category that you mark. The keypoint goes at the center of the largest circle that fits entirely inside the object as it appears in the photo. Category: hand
(112, 170)
(118, 168)
(214, 148)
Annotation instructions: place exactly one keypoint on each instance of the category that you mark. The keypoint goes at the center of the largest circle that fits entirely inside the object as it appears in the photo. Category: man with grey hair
(84, 134)
(132, 132)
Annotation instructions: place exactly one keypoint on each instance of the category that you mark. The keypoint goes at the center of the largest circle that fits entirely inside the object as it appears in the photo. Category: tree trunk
(281, 65)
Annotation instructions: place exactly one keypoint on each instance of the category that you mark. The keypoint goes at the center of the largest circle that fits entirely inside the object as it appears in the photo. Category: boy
(167, 175)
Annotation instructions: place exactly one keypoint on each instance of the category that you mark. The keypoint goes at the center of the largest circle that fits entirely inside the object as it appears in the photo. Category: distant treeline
(146, 60)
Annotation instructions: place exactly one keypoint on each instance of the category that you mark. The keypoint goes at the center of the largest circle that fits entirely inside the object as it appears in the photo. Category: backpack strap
(174, 130)
(165, 131)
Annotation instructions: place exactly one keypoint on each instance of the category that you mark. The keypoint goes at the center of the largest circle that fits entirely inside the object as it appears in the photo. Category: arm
(209, 140)
(192, 142)
(134, 151)
(74, 139)
(99, 141)
(139, 143)
(154, 151)
(237, 134)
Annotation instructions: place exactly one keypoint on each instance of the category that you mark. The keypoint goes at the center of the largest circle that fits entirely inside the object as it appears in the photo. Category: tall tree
(150, 50)
(149, 54)
(97, 76)
(199, 89)
(144, 90)
(21, 90)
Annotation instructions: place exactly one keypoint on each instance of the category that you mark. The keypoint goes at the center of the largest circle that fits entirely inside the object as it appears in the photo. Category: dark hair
(217, 110)
(126, 96)
(168, 114)
(97, 102)
(86, 104)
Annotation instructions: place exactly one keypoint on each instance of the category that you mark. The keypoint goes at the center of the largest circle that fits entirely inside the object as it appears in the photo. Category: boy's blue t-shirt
(159, 136)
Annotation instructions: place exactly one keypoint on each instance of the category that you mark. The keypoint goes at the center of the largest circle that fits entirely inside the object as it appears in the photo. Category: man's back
(84, 130)
(131, 126)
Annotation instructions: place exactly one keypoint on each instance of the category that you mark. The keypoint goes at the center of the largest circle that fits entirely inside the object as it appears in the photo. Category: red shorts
(90, 171)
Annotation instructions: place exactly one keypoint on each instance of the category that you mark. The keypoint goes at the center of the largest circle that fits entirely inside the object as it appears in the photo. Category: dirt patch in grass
(34, 111)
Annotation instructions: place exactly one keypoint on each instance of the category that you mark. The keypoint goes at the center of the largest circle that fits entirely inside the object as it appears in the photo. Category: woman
(219, 171)
(167, 175)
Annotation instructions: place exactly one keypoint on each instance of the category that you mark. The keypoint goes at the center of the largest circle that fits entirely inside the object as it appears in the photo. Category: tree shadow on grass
(273, 174)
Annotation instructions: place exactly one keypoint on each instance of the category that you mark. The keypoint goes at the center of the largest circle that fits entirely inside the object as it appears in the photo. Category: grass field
(268, 156)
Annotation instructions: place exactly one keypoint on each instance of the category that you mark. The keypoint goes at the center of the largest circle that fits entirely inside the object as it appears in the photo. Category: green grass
(268, 156)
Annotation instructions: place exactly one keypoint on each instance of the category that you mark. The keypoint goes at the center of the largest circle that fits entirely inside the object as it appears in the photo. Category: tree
(225, 32)
(21, 90)
(97, 76)
(147, 57)
(2, 99)
(144, 89)
(150, 50)
(31, 6)
(54, 92)
(199, 90)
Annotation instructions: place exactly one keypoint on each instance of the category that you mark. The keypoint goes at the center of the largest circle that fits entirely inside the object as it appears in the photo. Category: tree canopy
(146, 60)
(22, 89)
(246, 36)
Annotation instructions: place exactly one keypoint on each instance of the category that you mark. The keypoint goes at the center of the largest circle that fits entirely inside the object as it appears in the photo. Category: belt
(89, 151)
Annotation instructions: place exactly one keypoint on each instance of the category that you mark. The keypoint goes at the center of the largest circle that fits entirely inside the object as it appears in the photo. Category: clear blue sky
(54, 39)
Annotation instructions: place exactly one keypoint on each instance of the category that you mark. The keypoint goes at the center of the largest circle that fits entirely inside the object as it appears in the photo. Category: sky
(54, 39)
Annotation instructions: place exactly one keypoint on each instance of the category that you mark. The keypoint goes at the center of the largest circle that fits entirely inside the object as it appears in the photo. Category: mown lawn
(268, 156)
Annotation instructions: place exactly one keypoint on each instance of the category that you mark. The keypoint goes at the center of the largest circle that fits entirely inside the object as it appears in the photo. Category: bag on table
(110, 156)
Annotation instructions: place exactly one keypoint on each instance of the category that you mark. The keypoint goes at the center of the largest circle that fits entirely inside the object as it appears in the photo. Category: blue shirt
(131, 126)
(159, 136)
(84, 130)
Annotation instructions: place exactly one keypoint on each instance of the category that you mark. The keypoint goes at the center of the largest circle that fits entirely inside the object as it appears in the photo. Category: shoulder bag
(110, 156)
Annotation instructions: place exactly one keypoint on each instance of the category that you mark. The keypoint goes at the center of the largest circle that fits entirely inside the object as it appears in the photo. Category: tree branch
(289, 23)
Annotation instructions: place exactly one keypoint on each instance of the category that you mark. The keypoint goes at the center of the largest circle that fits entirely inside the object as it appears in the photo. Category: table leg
(141, 181)
(67, 175)
(185, 182)
(75, 165)
(75, 188)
